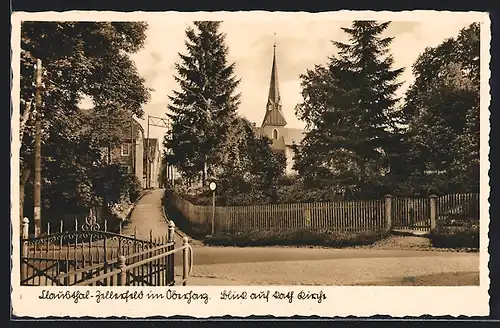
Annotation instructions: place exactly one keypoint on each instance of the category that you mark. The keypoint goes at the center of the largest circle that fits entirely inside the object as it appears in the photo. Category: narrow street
(308, 266)
(148, 217)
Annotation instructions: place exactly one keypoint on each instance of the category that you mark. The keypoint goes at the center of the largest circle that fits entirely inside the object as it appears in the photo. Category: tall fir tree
(206, 104)
(350, 108)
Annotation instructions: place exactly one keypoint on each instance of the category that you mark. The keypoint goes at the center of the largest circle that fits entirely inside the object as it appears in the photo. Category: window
(275, 134)
(125, 150)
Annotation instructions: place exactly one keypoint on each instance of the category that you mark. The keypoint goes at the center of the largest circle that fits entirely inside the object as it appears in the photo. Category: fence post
(388, 212)
(123, 274)
(24, 247)
(25, 230)
(185, 260)
(433, 199)
(170, 258)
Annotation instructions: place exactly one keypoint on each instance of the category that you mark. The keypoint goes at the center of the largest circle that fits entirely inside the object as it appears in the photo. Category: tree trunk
(109, 155)
(22, 182)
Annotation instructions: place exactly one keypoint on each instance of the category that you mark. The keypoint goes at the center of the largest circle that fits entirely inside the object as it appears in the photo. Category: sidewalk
(147, 217)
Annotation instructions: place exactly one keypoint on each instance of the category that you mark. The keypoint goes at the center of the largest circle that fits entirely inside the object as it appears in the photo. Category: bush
(294, 238)
(455, 237)
(134, 188)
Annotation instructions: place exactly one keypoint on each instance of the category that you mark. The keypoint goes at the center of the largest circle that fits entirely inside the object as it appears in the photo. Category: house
(274, 122)
(131, 151)
(152, 163)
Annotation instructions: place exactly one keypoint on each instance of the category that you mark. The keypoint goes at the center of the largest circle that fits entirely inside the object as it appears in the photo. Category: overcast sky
(300, 45)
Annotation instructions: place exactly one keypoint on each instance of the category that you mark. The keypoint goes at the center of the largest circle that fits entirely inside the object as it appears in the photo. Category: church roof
(274, 115)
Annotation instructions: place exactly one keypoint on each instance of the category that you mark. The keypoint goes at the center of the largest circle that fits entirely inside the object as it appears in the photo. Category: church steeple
(274, 90)
(274, 115)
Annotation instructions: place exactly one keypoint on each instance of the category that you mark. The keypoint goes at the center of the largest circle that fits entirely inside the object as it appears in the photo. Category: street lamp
(213, 186)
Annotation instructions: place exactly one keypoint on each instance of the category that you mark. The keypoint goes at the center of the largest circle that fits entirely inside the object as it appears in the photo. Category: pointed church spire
(274, 99)
(274, 115)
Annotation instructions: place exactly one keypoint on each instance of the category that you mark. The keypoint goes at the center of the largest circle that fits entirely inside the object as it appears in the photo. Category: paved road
(291, 265)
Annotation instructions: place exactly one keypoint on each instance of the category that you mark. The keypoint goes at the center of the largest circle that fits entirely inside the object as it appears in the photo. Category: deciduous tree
(442, 108)
(79, 59)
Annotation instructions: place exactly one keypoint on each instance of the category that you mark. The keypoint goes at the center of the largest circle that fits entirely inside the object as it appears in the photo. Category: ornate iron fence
(91, 256)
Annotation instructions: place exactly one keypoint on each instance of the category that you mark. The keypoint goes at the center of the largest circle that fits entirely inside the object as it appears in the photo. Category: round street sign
(213, 186)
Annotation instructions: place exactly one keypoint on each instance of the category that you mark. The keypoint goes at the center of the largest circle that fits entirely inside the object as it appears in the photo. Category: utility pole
(147, 157)
(38, 150)
(132, 146)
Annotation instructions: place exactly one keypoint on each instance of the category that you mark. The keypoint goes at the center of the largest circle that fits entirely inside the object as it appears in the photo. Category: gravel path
(147, 217)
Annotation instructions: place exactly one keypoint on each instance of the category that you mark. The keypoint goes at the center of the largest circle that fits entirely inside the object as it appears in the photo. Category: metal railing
(140, 273)
(94, 257)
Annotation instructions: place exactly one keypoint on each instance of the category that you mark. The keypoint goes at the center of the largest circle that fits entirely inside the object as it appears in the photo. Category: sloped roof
(274, 117)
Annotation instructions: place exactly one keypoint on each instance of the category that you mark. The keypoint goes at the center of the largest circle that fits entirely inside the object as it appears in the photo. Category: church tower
(274, 116)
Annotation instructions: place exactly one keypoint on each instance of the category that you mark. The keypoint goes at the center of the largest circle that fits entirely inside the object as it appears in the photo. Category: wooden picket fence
(339, 216)
(458, 209)
(421, 214)
(411, 213)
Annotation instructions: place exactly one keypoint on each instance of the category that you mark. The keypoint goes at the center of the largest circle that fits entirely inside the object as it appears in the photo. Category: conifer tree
(205, 105)
(350, 109)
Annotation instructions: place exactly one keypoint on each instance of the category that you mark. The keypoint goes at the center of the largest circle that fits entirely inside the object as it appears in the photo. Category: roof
(274, 115)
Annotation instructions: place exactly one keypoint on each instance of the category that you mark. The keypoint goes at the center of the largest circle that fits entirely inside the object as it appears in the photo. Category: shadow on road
(180, 221)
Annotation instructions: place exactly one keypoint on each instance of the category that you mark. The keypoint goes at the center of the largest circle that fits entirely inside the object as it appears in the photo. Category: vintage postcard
(250, 163)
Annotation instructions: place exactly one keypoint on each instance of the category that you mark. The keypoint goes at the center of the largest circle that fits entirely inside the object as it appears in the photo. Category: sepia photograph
(245, 151)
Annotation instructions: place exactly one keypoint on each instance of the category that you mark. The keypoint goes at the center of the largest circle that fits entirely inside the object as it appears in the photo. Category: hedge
(293, 238)
(455, 237)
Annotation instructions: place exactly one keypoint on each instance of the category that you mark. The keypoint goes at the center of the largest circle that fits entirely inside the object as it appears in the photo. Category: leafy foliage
(442, 109)
(249, 170)
(298, 237)
(79, 59)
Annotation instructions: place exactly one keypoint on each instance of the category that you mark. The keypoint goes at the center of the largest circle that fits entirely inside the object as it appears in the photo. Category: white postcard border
(340, 301)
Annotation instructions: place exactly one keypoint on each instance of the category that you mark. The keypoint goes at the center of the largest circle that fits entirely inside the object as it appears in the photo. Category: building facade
(274, 122)
(152, 163)
(131, 151)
